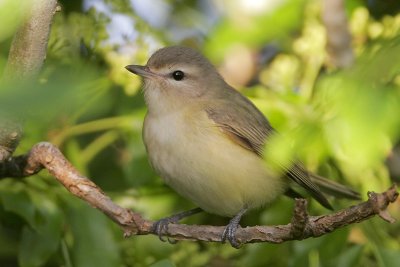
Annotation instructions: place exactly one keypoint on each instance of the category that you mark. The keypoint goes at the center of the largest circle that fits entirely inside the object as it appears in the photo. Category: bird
(206, 141)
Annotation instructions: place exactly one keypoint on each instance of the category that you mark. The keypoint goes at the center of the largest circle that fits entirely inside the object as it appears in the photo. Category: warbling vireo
(206, 141)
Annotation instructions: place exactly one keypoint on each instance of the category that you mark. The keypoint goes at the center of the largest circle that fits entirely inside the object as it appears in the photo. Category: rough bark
(28, 48)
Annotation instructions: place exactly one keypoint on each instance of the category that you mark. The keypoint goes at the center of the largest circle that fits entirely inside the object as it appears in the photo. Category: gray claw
(160, 227)
(230, 234)
(230, 230)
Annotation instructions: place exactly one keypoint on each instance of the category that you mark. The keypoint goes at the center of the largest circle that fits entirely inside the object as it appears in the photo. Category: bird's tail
(333, 188)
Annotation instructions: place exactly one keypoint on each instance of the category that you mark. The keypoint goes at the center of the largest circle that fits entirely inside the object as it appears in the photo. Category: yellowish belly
(198, 161)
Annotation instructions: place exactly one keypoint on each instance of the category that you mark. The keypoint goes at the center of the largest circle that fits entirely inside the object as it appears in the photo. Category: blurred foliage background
(342, 122)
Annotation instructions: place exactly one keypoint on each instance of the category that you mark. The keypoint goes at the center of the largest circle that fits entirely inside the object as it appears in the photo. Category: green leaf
(351, 256)
(39, 243)
(12, 14)
(257, 30)
(163, 263)
(15, 199)
(93, 241)
(390, 257)
(321, 251)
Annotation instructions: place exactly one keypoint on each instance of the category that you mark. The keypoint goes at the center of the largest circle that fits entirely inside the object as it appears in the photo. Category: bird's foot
(229, 232)
(160, 227)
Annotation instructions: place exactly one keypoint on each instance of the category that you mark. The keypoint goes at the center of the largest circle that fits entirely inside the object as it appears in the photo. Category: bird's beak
(142, 71)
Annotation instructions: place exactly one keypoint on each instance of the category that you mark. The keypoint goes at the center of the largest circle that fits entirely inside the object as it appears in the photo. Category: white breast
(198, 161)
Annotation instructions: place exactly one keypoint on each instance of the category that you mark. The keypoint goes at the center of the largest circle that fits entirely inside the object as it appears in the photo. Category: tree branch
(28, 48)
(10, 134)
(338, 34)
(302, 226)
(25, 59)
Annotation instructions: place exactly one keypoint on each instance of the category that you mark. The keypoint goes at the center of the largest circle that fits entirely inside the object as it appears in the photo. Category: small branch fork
(302, 226)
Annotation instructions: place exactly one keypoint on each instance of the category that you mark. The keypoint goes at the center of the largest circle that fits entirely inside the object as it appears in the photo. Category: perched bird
(206, 141)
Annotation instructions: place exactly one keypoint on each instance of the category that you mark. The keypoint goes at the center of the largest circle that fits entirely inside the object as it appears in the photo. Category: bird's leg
(230, 230)
(161, 226)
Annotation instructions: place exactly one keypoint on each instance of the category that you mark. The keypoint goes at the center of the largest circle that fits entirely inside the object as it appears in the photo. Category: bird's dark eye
(178, 75)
